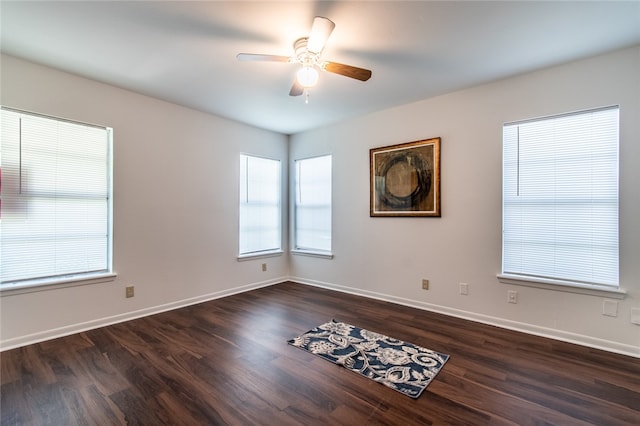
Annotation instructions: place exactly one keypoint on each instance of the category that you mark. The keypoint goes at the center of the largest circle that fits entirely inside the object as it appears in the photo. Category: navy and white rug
(402, 366)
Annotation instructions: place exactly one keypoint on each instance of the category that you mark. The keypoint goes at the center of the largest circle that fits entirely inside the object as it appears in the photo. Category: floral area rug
(402, 366)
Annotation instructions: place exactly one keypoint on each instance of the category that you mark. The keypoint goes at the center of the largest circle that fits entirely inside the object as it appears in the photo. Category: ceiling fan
(307, 53)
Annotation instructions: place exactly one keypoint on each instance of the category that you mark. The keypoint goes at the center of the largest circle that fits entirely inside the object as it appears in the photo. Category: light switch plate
(635, 316)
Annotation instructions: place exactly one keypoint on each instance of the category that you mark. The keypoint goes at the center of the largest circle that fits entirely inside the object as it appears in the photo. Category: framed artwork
(405, 179)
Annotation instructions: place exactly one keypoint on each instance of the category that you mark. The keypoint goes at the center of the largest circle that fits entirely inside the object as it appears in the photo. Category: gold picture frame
(405, 179)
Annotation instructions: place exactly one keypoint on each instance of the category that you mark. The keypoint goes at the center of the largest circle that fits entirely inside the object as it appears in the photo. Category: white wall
(176, 195)
(388, 257)
(175, 205)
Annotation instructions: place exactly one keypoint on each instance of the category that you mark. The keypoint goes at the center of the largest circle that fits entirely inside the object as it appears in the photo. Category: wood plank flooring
(227, 362)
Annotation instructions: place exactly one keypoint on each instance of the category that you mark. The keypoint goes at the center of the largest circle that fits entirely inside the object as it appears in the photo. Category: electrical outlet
(425, 284)
(129, 291)
(464, 289)
(512, 296)
(264, 267)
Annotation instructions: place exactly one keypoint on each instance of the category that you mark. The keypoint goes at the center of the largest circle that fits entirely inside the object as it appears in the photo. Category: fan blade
(296, 89)
(259, 57)
(320, 32)
(347, 70)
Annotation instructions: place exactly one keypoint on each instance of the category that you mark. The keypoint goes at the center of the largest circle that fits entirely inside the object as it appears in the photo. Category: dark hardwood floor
(227, 362)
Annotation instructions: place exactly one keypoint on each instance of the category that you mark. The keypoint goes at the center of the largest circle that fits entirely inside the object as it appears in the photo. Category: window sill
(311, 253)
(260, 255)
(565, 286)
(55, 283)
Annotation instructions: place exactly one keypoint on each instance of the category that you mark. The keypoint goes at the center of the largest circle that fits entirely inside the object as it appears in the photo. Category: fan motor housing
(302, 54)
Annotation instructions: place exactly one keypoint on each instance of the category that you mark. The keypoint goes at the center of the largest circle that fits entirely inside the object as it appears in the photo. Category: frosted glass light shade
(307, 76)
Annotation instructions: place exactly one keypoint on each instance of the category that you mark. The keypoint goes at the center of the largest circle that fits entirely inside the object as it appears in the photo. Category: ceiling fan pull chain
(306, 95)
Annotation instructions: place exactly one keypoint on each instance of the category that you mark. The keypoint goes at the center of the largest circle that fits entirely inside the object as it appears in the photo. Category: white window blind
(560, 198)
(260, 206)
(56, 195)
(313, 204)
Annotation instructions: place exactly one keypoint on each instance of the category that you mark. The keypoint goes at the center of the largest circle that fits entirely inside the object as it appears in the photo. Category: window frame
(29, 285)
(551, 283)
(242, 256)
(309, 251)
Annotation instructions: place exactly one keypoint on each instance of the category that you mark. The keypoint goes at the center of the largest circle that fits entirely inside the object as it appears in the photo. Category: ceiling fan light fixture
(307, 76)
(307, 52)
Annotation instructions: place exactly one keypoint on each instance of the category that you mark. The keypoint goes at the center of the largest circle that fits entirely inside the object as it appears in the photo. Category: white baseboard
(555, 334)
(564, 336)
(128, 316)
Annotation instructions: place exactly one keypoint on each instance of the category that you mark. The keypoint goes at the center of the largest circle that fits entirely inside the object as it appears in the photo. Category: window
(260, 207)
(313, 204)
(560, 199)
(55, 216)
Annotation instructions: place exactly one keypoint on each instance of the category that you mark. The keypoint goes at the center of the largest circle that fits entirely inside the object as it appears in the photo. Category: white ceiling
(185, 52)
